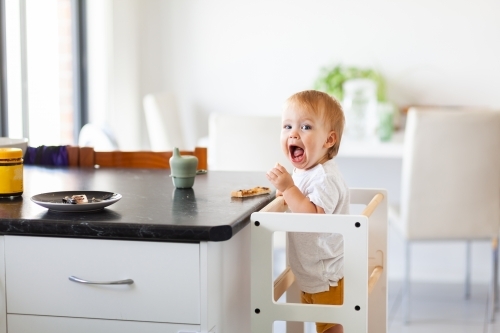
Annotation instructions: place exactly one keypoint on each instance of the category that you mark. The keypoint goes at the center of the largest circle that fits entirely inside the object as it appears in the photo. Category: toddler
(310, 136)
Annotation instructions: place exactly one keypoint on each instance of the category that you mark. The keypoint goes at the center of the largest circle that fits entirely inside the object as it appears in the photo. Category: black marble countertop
(151, 208)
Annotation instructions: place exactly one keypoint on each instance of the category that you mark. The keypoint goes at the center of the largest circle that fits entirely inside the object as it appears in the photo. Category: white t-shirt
(317, 259)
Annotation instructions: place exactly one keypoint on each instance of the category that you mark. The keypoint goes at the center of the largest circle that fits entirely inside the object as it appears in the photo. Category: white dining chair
(245, 142)
(97, 136)
(450, 185)
(163, 123)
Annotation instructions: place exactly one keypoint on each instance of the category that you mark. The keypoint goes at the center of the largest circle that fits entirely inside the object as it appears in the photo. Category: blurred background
(231, 57)
(70, 63)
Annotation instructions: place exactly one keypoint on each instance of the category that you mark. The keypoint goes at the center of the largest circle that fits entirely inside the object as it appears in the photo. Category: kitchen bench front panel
(166, 278)
(43, 324)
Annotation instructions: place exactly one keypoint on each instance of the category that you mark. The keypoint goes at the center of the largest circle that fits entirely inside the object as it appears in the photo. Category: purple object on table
(47, 155)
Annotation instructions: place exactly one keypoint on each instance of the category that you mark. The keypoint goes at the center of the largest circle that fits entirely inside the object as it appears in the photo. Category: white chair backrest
(163, 122)
(97, 136)
(245, 143)
(451, 174)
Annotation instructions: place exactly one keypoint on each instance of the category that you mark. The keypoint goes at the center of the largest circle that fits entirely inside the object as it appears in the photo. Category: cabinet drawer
(166, 277)
(42, 324)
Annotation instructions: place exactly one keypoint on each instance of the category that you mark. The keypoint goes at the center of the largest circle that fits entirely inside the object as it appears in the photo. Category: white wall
(99, 59)
(117, 66)
(248, 56)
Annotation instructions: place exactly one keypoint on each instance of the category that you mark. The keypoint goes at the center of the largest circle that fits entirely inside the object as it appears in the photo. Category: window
(43, 70)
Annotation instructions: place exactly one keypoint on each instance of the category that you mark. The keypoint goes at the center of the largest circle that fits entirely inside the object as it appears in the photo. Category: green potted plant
(331, 79)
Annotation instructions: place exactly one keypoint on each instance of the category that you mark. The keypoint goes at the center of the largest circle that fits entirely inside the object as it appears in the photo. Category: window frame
(80, 75)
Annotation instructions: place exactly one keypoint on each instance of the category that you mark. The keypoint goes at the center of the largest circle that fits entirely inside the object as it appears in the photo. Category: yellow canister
(11, 172)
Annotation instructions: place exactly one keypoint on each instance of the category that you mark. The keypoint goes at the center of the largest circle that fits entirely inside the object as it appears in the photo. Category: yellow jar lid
(11, 153)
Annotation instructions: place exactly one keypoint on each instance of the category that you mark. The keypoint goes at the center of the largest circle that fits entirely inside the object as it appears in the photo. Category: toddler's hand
(280, 178)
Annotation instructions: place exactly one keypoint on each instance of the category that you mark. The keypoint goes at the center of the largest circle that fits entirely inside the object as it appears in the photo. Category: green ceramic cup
(183, 169)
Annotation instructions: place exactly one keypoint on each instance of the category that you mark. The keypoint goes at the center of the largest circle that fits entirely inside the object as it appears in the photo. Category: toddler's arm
(296, 201)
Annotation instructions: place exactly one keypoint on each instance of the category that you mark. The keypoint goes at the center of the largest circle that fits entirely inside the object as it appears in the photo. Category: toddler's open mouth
(296, 154)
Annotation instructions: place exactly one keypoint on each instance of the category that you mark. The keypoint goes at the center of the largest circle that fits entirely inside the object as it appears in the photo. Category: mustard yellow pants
(334, 296)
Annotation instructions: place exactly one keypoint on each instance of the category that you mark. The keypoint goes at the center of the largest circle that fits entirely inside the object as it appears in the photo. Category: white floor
(436, 305)
(441, 307)
(437, 296)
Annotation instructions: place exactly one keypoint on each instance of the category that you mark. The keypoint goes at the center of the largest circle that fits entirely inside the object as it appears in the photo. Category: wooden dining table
(186, 252)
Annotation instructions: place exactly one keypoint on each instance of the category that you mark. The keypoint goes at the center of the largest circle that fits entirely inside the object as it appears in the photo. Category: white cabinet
(43, 324)
(178, 287)
(3, 312)
(165, 288)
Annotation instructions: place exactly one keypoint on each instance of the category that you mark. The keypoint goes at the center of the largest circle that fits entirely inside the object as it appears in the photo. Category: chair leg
(467, 269)
(492, 301)
(495, 281)
(406, 285)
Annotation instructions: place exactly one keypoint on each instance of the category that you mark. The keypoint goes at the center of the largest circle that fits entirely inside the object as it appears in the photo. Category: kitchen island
(186, 251)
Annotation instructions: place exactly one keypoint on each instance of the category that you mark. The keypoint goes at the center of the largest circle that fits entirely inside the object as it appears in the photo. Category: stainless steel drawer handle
(76, 279)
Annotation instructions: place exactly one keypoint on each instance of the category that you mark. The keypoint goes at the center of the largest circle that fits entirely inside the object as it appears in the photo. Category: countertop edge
(128, 231)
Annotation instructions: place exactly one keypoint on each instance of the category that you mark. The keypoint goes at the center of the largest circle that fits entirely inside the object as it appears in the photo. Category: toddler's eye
(287, 127)
(306, 127)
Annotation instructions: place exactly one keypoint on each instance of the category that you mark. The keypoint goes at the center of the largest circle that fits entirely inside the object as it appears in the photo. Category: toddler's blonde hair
(325, 106)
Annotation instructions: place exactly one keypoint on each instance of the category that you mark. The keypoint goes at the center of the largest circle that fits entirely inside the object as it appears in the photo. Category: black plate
(53, 200)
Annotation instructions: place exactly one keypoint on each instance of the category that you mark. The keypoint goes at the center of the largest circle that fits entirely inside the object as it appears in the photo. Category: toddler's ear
(331, 139)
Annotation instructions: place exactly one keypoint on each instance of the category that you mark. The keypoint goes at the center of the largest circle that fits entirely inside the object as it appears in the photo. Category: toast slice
(250, 192)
